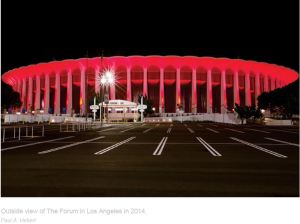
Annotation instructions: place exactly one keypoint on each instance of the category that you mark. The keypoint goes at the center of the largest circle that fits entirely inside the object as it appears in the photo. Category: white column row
(26, 92)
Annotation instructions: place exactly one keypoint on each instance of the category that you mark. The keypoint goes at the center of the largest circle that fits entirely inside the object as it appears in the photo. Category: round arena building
(195, 84)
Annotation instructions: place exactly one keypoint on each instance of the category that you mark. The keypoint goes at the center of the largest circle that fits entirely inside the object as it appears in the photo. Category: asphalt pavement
(153, 160)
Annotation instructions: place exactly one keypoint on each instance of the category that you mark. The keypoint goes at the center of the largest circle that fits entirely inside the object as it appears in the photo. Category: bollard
(43, 131)
(3, 134)
(19, 133)
(32, 131)
(14, 132)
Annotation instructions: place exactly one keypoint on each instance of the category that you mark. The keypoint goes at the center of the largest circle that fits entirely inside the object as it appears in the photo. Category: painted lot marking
(109, 129)
(258, 130)
(70, 145)
(208, 147)
(276, 140)
(234, 130)
(35, 143)
(147, 130)
(259, 148)
(160, 147)
(283, 131)
(127, 129)
(190, 130)
(212, 130)
(169, 130)
(114, 146)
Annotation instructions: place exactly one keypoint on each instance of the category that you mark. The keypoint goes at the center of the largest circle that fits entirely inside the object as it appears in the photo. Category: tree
(286, 98)
(240, 111)
(148, 102)
(9, 98)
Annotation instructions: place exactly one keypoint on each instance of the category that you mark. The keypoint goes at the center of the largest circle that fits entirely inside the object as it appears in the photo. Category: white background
(158, 210)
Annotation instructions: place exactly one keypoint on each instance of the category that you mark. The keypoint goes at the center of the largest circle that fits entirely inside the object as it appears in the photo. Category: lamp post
(107, 79)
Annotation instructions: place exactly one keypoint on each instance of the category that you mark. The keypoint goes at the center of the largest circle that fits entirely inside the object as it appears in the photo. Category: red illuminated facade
(198, 84)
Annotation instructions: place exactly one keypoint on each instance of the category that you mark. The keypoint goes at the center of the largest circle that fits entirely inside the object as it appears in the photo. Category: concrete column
(236, 88)
(128, 84)
(23, 97)
(82, 99)
(194, 91)
(266, 84)
(209, 98)
(178, 93)
(47, 93)
(145, 84)
(223, 92)
(37, 100)
(29, 94)
(161, 92)
(112, 91)
(97, 79)
(247, 89)
(19, 87)
(57, 94)
(272, 83)
(257, 87)
(69, 92)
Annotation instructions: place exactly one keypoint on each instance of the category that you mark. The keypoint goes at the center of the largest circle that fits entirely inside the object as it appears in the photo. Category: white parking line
(109, 129)
(234, 130)
(160, 147)
(169, 130)
(283, 131)
(70, 145)
(259, 148)
(36, 143)
(212, 130)
(114, 146)
(276, 140)
(147, 130)
(190, 130)
(127, 129)
(258, 130)
(208, 147)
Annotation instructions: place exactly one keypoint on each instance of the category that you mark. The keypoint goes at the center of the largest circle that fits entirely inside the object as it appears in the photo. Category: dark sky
(41, 31)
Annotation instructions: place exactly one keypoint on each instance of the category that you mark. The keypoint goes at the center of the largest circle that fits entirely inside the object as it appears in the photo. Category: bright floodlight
(110, 80)
(108, 74)
(103, 80)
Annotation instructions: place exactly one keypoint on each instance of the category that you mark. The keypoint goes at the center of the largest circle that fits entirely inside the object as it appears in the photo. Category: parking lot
(173, 160)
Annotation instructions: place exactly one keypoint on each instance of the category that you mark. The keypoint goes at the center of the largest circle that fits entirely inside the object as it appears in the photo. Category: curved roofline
(149, 56)
(223, 63)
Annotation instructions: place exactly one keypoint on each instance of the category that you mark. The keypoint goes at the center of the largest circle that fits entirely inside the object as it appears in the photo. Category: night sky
(41, 31)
